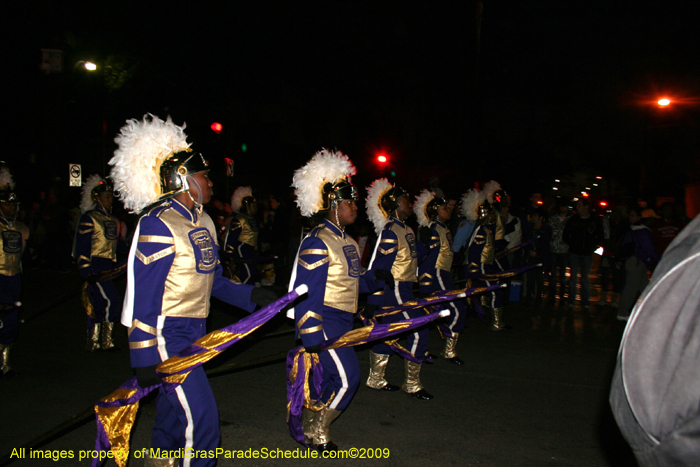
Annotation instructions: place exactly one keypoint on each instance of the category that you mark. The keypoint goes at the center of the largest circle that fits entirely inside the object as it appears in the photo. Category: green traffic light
(393, 174)
(244, 147)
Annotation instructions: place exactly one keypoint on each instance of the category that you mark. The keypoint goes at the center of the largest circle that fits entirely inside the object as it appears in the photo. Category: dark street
(535, 395)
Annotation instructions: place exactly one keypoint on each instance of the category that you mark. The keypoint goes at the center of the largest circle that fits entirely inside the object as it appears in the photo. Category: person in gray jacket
(655, 391)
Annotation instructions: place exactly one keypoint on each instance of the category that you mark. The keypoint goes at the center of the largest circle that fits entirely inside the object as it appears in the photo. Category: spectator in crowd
(638, 246)
(583, 233)
(666, 228)
(559, 250)
(535, 253)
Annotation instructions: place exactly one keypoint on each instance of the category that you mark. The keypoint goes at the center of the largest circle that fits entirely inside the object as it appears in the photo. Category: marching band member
(14, 236)
(173, 269)
(432, 213)
(388, 207)
(329, 263)
(95, 252)
(241, 242)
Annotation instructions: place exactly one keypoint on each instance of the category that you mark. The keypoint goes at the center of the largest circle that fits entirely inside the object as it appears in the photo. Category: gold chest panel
(445, 256)
(248, 235)
(13, 240)
(405, 265)
(489, 251)
(191, 276)
(105, 234)
(342, 284)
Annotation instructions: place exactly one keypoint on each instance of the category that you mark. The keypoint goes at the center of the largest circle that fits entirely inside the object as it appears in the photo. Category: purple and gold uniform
(172, 271)
(96, 252)
(329, 263)
(241, 243)
(14, 239)
(434, 273)
(396, 250)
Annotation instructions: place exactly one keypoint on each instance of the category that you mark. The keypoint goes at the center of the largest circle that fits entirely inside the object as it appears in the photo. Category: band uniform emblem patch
(203, 247)
(11, 241)
(353, 260)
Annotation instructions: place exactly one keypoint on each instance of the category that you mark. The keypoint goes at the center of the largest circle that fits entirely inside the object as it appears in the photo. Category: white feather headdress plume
(143, 146)
(86, 202)
(6, 182)
(421, 205)
(375, 193)
(324, 167)
(238, 196)
(489, 189)
(471, 201)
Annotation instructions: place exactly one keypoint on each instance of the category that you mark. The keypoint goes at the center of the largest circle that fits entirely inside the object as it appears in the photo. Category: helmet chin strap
(198, 202)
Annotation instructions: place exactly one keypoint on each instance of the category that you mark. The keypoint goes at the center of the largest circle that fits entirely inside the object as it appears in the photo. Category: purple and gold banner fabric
(116, 413)
(430, 303)
(517, 247)
(497, 276)
(304, 369)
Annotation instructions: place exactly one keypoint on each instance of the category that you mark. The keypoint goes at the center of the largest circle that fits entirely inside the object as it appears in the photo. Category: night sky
(541, 90)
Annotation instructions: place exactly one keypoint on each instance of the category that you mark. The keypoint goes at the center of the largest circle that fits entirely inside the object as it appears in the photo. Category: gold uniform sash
(405, 265)
(445, 256)
(191, 278)
(247, 235)
(13, 240)
(342, 284)
(105, 233)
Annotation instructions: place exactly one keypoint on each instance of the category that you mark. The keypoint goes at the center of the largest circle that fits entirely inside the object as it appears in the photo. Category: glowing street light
(90, 66)
(663, 102)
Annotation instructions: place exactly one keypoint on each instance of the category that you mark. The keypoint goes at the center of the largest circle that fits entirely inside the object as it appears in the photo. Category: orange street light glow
(664, 102)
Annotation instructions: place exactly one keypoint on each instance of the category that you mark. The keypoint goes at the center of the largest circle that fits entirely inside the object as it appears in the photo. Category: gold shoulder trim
(156, 239)
(155, 256)
(82, 232)
(318, 263)
(390, 240)
(86, 224)
(434, 245)
(143, 344)
(314, 252)
(142, 326)
(309, 314)
(310, 330)
(424, 275)
(389, 251)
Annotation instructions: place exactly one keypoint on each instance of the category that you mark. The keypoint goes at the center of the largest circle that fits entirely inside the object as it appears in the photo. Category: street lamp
(663, 102)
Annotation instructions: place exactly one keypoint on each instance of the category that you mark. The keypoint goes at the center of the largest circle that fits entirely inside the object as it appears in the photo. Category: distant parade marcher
(14, 239)
(173, 269)
(328, 262)
(241, 242)
(95, 252)
(480, 254)
(432, 213)
(388, 207)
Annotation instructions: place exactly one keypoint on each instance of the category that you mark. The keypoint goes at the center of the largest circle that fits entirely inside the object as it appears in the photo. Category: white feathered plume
(375, 193)
(238, 196)
(419, 207)
(324, 167)
(6, 182)
(143, 146)
(471, 201)
(86, 202)
(489, 189)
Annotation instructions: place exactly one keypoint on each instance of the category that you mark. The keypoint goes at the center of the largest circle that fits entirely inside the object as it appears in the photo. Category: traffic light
(603, 204)
(382, 158)
(217, 127)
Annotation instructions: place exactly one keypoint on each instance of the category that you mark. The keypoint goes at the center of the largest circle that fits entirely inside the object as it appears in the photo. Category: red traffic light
(603, 203)
(217, 127)
(539, 202)
(382, 158)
